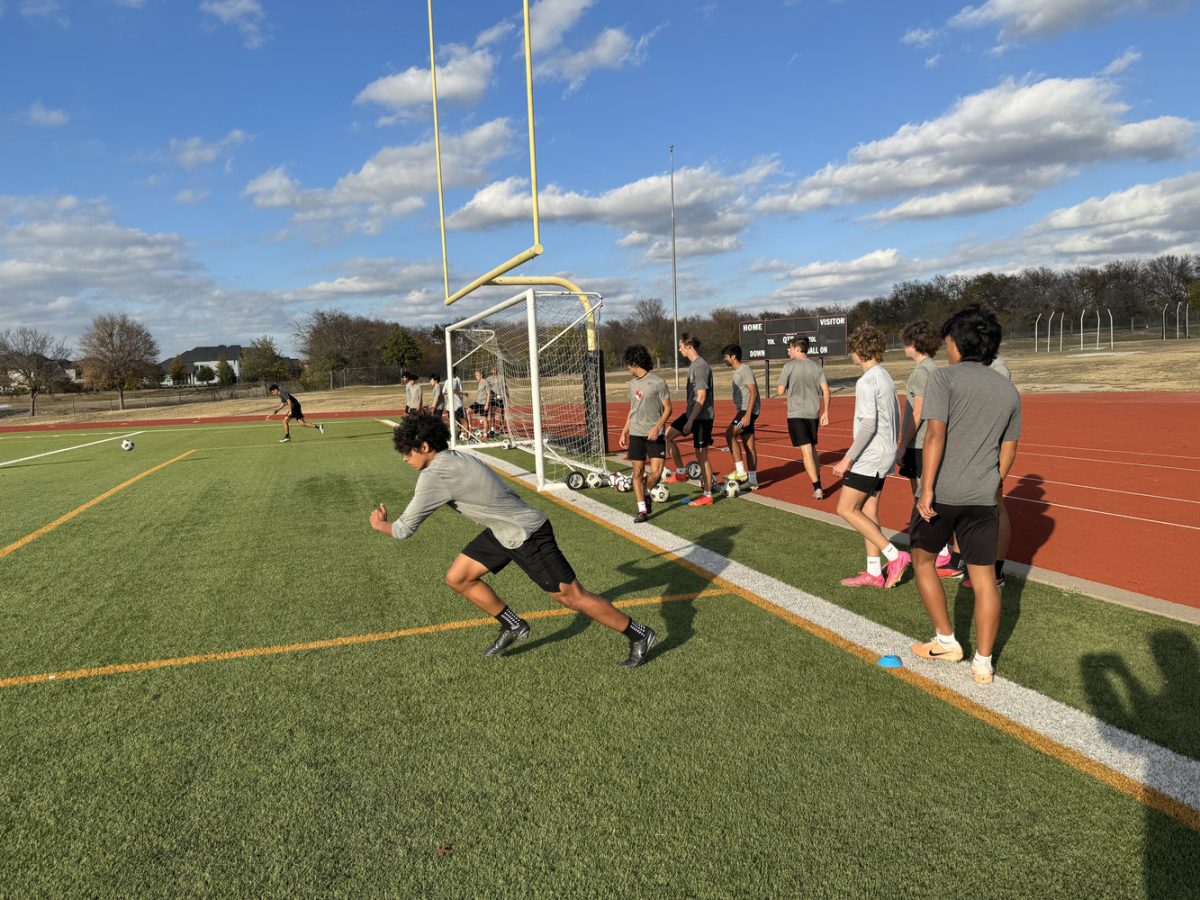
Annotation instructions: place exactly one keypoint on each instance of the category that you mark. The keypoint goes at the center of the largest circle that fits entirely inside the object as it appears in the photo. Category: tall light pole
(674, 272)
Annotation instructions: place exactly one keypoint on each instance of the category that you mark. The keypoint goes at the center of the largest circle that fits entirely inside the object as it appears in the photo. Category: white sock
(741, 468)
(641, 506)
(981, 662)
(874, 566)
(754, 478)
(708, 493)
(946, 639)
(945, 551)
(890, 553)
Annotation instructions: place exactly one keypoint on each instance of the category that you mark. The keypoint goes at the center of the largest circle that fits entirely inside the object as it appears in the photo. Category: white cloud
(973, 199)
(190, 196)
(43, 116)
(919, 37)
(462, 79)
(612, 48)
(1020, 19)
(842, 280)
(246, 16)
(1019, 136)
(46, 10)
(932, 61)
(391, 184)
(1122, 62)
(195, 151)
(550, 20)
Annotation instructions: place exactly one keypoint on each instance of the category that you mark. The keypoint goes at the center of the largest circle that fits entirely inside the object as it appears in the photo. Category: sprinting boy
(870, 459)
(740, 434)
(697, 421)
(921, 341)
(294, 414)
(412, 394)
(803, 382)
(513, 532)
(973, 421)
(645, 426)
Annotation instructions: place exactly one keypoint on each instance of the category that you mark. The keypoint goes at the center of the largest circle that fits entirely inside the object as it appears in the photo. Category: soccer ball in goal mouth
(127, 444)
(595, 480)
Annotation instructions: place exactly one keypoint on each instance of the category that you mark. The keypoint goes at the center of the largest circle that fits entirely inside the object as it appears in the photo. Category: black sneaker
(506, 638)
(641, 517)
(649, 505)
(639, 650)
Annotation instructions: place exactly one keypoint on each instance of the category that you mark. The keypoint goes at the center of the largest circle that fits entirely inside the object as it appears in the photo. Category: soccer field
(253, 694)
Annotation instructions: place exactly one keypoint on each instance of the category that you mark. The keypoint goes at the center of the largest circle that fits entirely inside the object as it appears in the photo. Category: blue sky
(219, 168)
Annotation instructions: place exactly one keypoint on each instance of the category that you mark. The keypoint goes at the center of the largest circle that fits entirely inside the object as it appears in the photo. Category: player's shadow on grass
(1027, 510)
(1170, 716)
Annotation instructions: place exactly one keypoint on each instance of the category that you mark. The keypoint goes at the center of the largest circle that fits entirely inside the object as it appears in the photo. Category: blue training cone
(890, 662)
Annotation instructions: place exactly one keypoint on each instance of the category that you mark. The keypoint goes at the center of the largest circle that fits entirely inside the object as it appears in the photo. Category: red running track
(1105, 487)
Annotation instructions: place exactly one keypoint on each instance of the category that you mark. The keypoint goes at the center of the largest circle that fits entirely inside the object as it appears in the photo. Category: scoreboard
(768, 338)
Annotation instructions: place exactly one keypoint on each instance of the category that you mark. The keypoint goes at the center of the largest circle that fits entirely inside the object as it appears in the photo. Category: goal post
(536, 354)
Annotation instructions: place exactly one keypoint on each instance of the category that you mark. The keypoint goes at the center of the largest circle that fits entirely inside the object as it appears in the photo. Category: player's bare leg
(808, 454)
(639, 481)
(656, 471)
(731, 439)
(929, 586)
(465, 577)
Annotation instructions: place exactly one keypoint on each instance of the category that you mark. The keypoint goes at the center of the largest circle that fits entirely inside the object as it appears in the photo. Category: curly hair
(421, 428)
(639, 356)
(922, 337)
(868, 342)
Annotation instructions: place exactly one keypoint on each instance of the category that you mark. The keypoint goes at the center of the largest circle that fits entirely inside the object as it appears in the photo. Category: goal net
(536, 356)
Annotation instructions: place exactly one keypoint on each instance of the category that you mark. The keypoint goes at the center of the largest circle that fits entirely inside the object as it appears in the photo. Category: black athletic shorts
(910, 466)
(295, 412)
(642, 448)
(749, 429)
(497, 404)
(868, 484)
(976, 528)
(539, 557)
(803, 431)
(460, 414)
(478, 408)
(701, 431)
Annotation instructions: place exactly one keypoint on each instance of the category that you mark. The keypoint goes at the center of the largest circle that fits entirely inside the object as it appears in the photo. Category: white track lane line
(68, 449)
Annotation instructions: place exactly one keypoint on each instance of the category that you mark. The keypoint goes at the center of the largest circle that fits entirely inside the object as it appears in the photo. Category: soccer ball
(660, 494)
(594, 479)
(624, 483)
(732, 488)
(127, 444)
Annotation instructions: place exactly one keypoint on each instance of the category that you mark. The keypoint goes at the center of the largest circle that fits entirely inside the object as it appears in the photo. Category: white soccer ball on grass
(127, 444)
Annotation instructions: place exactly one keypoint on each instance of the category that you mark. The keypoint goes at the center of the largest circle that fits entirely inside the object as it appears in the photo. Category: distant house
(205, 356)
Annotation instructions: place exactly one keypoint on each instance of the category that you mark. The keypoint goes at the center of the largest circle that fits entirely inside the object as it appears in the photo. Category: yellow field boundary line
(46, 529)
(324, 644)
(1069, 756)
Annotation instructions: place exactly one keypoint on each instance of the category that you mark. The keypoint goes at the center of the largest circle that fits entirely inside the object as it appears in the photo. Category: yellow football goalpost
(525, 423)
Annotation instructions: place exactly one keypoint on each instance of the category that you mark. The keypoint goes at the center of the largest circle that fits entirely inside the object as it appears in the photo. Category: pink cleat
(942, 561)
(895, 569)
(864, 579)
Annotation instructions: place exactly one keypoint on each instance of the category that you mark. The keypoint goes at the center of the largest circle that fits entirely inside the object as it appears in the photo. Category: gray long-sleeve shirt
(468, 486)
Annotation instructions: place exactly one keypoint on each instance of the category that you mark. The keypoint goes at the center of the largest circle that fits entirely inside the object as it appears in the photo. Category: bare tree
(119, 351)
(652, 328)
(33, 359)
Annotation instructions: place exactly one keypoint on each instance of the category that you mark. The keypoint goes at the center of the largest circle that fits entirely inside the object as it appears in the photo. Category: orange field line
(246, 653)
(1129, 786)
(46, 529)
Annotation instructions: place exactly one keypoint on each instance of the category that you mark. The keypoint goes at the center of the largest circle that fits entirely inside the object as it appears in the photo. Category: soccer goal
(537, 354)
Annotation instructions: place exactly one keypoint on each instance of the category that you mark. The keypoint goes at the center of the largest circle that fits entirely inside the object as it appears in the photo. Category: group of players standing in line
(955, 441)
(483, 418)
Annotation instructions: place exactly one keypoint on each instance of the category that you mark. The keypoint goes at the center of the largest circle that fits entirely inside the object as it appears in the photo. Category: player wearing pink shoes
(973, 417)
(870, 459)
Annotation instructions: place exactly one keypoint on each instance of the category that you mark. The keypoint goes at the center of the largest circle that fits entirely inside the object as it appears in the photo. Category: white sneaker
(321, 428)
(285, 440)
(818, 494)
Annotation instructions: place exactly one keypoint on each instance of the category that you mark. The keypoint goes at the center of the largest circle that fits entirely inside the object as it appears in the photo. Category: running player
(412, 394)
(295, 413)
(697, 421)
(870, 459)
(643, 433)
(921, 341)
(514, 532)
(740, 434)
(803, 382)
(973, 421)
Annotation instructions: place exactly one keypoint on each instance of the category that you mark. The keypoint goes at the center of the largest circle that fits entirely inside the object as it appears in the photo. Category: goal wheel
(574, 481)
(694, 470)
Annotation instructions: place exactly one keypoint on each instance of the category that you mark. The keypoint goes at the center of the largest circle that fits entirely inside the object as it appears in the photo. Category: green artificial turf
(746, 759)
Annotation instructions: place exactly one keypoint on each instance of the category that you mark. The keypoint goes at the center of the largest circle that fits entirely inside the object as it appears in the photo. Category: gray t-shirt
(877, 413)
(498, 388)
(999, 365)
(917, 382)
(481, 395)
(647, 395)
(439, 396)
(700, 378)
(412, 396)
(285, 397)
(468, 486)
(801, 380)
(981, 410)
(743, 378)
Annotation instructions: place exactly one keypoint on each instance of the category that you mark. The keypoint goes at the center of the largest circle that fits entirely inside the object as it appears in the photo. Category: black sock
(999, 569)
(817, 484)
(508, 618)
(955, 560)
(634, 631)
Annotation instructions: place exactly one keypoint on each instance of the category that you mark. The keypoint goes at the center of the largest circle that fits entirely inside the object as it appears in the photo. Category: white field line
(1164, 770)
(68, 449)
